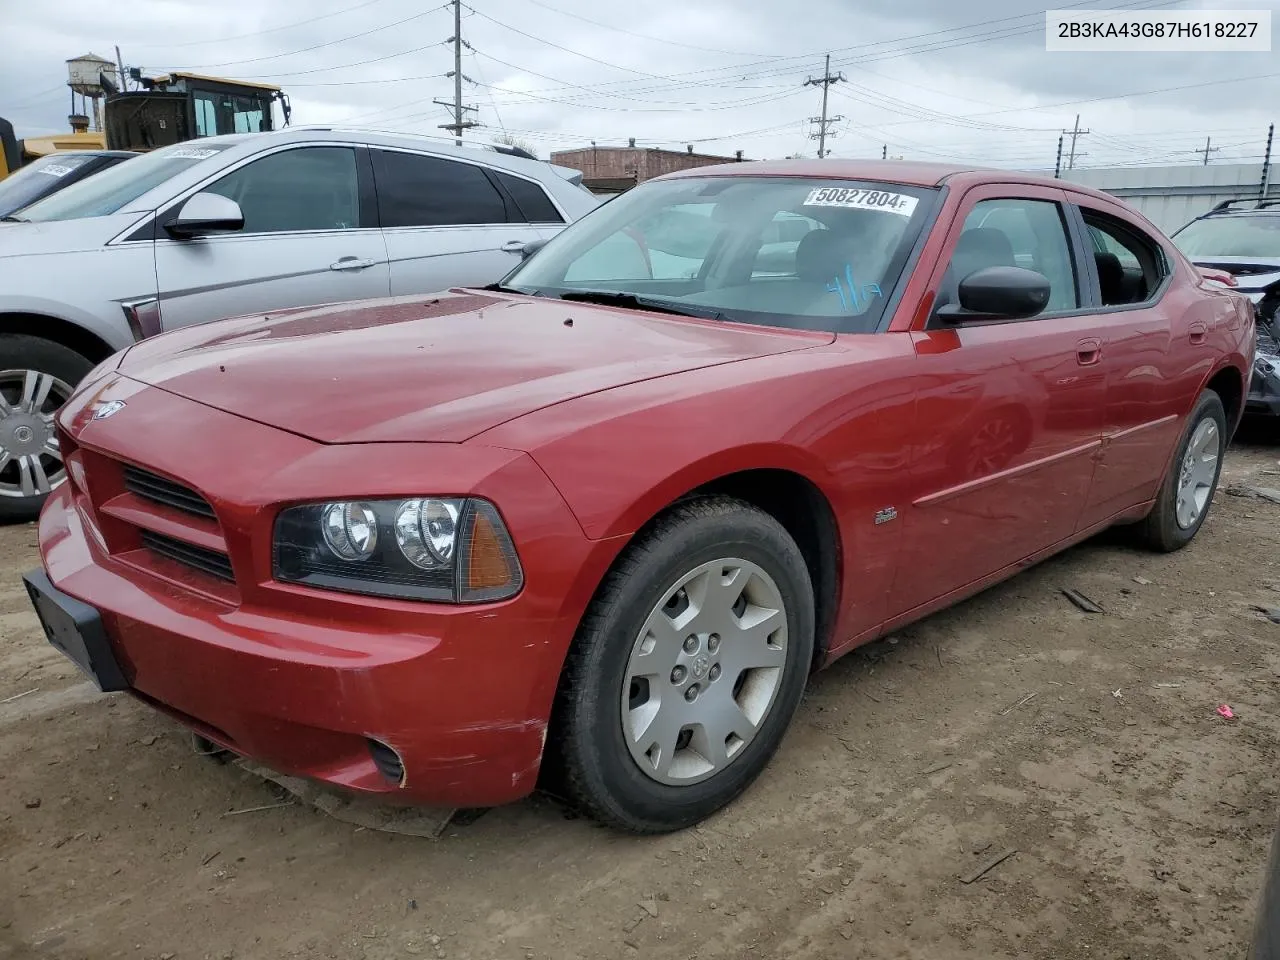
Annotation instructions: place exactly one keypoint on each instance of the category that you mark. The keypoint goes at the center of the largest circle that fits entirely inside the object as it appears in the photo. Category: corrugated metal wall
(1170, 196)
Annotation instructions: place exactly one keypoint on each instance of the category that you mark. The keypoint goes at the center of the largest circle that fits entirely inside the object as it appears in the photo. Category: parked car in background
(1242, 239)
(238, 224)
(52, 173)
(615, 509)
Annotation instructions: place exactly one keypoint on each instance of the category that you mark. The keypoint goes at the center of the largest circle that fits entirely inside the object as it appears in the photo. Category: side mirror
(998, 293)
(203, 214)
(530, 248)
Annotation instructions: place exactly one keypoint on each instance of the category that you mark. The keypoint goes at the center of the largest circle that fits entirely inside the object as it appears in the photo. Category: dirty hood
(441, 368)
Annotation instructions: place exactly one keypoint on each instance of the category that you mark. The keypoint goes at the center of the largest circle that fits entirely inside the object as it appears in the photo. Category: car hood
(1252, 274)
(61, 236)
(443, 368)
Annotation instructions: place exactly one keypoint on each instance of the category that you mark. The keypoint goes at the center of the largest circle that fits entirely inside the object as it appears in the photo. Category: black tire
(1160, 530)
(589, 752)
(20, 351)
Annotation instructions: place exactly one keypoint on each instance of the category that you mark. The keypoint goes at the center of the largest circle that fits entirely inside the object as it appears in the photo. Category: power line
(645, 36)
(317, 46)
(345, 66)
(556, 46)
(256, 33)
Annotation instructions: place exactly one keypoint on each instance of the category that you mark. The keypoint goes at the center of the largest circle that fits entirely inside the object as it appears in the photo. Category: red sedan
(598, 523)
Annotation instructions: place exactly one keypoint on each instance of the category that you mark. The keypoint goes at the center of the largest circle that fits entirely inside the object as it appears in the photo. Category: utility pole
(1266, 164)
(1057, 166)
(1074, 134)
(124, 82)
(1206, 150)
(824, 121)
(459, 111)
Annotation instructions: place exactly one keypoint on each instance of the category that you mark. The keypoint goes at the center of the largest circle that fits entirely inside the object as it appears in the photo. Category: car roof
(441, 146)
(914, 173)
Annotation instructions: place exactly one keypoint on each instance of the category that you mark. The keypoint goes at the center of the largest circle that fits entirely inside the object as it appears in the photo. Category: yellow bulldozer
(161, 111)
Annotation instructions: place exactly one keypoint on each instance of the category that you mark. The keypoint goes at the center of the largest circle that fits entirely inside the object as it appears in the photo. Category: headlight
(446, 549)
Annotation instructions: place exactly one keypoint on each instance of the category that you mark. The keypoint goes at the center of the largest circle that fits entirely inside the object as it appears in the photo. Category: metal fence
(1170, 196)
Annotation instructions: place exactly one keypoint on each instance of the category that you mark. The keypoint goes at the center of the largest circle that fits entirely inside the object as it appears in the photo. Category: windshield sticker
(56, 169)
(191, 153)
(858, 198)
(858, 298)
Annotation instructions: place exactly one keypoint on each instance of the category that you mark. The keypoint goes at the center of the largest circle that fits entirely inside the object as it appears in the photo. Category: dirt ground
(1089, 744)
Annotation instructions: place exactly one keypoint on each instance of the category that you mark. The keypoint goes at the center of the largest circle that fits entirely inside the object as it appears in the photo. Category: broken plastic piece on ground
(364, 812)
(1226, 712)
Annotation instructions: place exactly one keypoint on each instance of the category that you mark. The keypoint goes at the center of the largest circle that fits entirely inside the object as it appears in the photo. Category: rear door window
(415, 190)
(533, 203)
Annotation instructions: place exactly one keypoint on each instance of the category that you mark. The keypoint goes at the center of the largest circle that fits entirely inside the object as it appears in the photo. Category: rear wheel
(36, 378)
(1187, 491)
(687, 669)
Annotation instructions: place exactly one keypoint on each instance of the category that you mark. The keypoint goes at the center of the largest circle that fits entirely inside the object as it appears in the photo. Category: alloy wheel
(30, 459)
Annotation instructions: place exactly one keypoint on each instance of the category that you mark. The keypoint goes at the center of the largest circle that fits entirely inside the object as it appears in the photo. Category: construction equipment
(184, 106)
(162, 110)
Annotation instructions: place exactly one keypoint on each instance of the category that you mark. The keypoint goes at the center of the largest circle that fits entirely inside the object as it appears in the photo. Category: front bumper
(311, 683)
(1264, 387)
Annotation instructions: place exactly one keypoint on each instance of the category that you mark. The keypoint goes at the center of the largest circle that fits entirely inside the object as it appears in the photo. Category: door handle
(1088, 352)
(351, 263)
(1198, 332)
(514, 246)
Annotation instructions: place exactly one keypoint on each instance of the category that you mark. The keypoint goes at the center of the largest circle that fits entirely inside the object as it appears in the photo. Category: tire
(21, 431)
(598, 759)
(1162, 530)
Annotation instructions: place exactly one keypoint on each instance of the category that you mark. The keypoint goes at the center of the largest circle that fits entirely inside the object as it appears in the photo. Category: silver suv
(1242, 238)
(241, 224)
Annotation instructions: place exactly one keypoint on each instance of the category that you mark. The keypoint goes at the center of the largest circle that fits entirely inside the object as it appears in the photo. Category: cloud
(923, 78)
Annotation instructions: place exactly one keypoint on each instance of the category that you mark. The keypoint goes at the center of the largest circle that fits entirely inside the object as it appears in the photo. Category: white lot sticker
(54, 170)
(861, 198)
(190, 153)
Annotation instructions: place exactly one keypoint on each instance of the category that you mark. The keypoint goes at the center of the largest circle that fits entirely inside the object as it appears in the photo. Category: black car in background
(52, 173)
(1242, 238)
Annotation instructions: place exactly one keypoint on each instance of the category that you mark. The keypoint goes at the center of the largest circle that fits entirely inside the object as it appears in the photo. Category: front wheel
(687, 669)
(1188, 489)
(37, 377)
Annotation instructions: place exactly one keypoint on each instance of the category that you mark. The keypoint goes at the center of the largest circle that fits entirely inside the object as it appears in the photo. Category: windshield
(106, 192)
(39, 178)
(781, 251)
(1234, 236)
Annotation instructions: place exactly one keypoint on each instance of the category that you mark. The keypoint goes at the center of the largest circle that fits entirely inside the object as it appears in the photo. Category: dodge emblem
(108, 409)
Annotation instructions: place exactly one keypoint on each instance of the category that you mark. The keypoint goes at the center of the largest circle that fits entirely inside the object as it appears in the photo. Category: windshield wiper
(10, 218)
(629, 301)
(502, 288)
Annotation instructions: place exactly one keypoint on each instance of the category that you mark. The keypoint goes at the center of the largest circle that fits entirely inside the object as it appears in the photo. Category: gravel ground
(1090, 745)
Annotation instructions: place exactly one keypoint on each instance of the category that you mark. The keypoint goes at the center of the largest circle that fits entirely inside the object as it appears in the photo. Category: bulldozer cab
(10, 151)
(185, 106)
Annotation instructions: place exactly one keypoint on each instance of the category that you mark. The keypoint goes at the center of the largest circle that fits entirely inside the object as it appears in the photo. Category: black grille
(157, 489)
(208, 561)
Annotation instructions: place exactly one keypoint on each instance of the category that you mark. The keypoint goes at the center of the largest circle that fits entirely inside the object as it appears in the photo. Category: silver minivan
(240, 224)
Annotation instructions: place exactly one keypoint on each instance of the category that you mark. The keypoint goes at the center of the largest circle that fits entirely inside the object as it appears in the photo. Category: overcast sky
(926, 78)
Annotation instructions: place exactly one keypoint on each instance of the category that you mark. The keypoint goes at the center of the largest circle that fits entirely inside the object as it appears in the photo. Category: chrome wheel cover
(1197, 474)
(704, 672)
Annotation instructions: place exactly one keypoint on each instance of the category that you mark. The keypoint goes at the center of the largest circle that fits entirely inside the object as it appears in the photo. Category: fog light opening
(387, 761)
